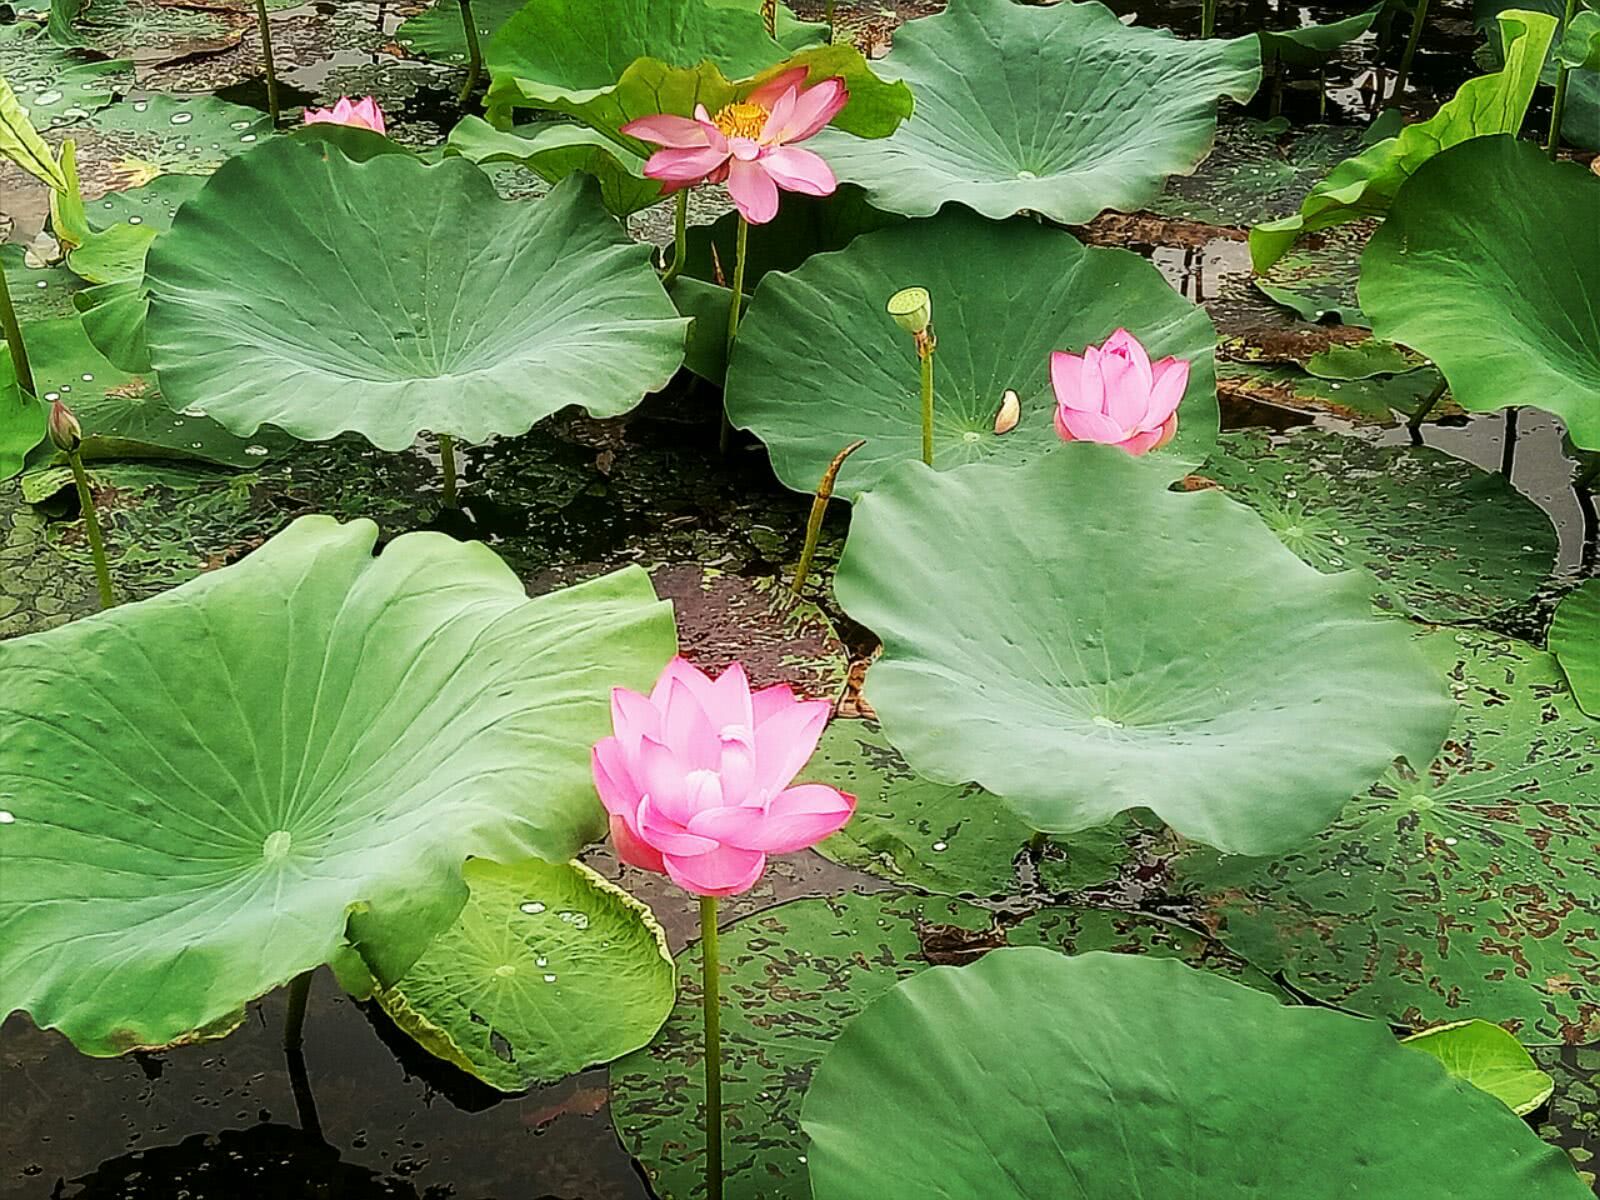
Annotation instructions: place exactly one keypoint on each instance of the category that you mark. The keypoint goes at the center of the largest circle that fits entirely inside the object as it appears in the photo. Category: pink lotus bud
(1113, 394)
(359, 114)
(696, 778)
(65, 432)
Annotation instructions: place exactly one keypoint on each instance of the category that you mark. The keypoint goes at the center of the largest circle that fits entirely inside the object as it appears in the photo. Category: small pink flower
(360, 114)
(1113, 394)
(748, 144)
(696, 778)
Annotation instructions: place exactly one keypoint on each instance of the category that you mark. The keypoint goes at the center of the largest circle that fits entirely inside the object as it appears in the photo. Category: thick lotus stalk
(447, 470)
(474, 52)
(912, 310)
(1404, 73)
(67, 436)
(294, 1017)
(1426, 407)
(819, 508)
(1559, 104)
(711, 1011)
(265, 27)
(14, 342)
(1208, 18)
(680, 237)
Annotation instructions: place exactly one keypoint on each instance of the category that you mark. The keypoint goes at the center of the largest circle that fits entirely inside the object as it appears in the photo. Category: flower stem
(711, 995)
(738, 281)
(819, 507)
(925, 354)
(827, 16)
(294, 1017)
(1208, 18)
(474, 53)
(447, 468)
(1559, 104)
(91, 529)
(1427, 405)
(680, 237)
(1404, 74)
(13, 332)
(266, 59)
(769, 14)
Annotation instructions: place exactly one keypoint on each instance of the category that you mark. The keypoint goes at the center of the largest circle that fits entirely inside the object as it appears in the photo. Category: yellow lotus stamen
(741, 119)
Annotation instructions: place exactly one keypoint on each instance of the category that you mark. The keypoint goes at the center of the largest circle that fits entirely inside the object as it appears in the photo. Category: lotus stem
(1208, 18)
(266, 58)
(1037, 843)
(1404, 74)
(294, 1018)
(769, 14)
(827, 17)
(447, 468)
(711, 997)
(925, 346)
(819, 507)
(1560, 102)
(305, 1101)
(1427, 406)
(740, 246)
(680, 237)
(474, 53)
(91, 529)
(1508, 448)
(13, 332)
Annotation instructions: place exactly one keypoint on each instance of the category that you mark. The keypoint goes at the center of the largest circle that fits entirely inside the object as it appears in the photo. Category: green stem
(294, 1018)
(447, 468)
(740, 246)
(266, 58)
(1410, 53)
(1038, 843)
(927, 405)
(711, 995)
(1208, 18)
(827, 17)
(1426, 407)
(1560, 102)
(474, 53)
(819, 508)
(13, 331)
(680, 237)
(91, 529)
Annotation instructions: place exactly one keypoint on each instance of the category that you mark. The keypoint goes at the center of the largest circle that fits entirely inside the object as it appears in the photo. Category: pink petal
(687, 731)
(633, 851)
(769, 702)
(1127, 396)
(1066, 380)
(633, 717)
(726, 871)
(770, 92)
(753, 191)
(681, 671)
(663, 777)
(685, 166)
(813, 109)
(665, 129)
(744, 149)
(662, 833)
(370, 114)
(1168, 432)
(799, 171)
(796, 819)
(618, 793)
(1171, 380)
(729, 700)
(786, 740)
(1090, 427)
(780, 116)
(737, 773)
(1124, 345)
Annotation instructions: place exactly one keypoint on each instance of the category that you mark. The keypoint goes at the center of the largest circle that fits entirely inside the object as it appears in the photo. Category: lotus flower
(1113, 394)
(749, 143)
(696, 778)
(359, 114)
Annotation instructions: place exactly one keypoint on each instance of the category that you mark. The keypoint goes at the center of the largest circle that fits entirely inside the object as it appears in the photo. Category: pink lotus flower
(748, 143)
(696, 778)
(1114, 395)
(360, 114)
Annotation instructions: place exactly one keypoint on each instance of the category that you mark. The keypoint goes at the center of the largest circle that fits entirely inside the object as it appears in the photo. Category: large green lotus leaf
(1580, 123)
(1466, 888)
(1035, 641)
(1034, 1076)
(1060, 110)
(56, 86)
(556, 150)
(199, 787)
(37, 293)
(548, 969)
(150, 31)
(1365, 185)
(1499, 293)
(793, 977)
(157, 134)
(943, 838)
(1443, 540)
(22, 419)
(1313, 45)
(1575, 641)
(389, 296)
(819, 364)
(1489, 1058)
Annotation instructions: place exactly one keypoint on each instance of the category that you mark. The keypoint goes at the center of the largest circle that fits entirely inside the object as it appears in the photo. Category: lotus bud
(1010, 412)
(65, 431)
(912, 309)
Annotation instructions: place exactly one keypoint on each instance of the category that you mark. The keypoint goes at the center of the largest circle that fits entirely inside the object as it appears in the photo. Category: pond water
(366, 1113)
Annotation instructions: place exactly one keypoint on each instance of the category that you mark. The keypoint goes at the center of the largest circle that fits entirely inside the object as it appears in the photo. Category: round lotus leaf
(1488, 1058)
(793, 977)
(548, 969)
(1468, 887)
(1079, 640)
(819, 363)
(321, 295)
(1059, 110)
(1575, 641)
(1497, 291)
(197, 789)
(1034, 1076)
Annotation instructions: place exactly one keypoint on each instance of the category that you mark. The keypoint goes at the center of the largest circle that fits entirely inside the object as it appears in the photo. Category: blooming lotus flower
(749, 144)
(360, 114)
(696, 778)
(1113, 394)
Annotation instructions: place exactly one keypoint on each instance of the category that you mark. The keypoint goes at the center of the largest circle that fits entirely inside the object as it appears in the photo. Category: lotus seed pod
(912, 309)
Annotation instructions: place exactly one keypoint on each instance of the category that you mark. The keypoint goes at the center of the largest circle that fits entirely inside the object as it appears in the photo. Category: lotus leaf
(1489, 1058)
(22, 419)
(1575, 641)
(57, 87)
(1313, 45)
